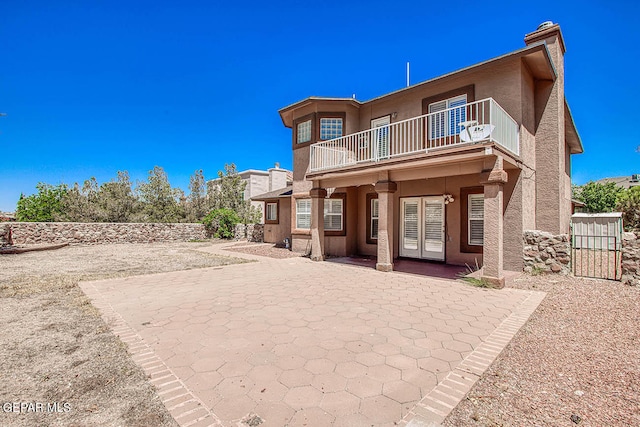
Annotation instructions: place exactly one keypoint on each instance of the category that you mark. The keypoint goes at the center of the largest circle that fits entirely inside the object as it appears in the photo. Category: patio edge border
(433, 408)
(182, 404)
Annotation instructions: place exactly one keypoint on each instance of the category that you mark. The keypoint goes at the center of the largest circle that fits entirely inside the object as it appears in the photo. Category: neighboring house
(259, 182)
(452, 169)
(623, 181)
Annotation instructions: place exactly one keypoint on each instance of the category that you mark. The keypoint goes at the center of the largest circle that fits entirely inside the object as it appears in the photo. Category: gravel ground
(55, 348)
(576, 362)
(262, 249)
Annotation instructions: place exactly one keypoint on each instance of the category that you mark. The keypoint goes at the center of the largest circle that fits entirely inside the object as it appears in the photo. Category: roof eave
(286, 112)
(571, 134)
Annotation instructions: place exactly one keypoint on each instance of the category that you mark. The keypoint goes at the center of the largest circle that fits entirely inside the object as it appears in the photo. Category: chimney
(277, 178)
(553, 184)
(551, 34)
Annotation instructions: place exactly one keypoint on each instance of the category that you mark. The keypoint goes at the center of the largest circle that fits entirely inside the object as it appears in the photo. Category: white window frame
(303, 210)
(331, 128)
(304, 133)
(268, 211)
(375, 217)
(474, 218)
(330, 211)
(450, 121)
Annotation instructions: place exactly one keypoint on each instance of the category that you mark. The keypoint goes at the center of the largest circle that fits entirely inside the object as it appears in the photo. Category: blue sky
(91, 88)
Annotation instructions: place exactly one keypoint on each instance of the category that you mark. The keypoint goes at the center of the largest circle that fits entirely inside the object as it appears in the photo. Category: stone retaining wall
(631, 259)
(250, 232)
(98, 233)
(545, 252)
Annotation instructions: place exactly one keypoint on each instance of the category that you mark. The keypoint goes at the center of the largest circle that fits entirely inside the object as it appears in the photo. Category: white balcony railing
(480, 121)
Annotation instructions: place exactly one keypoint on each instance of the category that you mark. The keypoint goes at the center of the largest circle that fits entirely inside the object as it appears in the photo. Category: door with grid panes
(381, 136)
(422, 228)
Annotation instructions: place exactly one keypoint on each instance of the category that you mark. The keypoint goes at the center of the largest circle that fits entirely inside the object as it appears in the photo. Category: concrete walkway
(295, 342)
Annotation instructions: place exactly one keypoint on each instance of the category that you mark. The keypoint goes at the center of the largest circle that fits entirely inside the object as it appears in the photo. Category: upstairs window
(304, 132)
(446, 116)
(330, 128)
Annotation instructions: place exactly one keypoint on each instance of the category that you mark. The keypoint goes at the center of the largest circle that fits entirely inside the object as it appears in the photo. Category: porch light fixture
(448, 198)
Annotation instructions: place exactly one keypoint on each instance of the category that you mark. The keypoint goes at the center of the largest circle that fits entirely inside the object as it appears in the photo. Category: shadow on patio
(403, 265)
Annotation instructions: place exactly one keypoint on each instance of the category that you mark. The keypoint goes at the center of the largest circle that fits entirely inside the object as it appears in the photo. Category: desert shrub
(221, 223)
(629, 205)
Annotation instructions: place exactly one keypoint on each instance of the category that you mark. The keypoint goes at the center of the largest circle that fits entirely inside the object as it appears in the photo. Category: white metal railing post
(376, 148)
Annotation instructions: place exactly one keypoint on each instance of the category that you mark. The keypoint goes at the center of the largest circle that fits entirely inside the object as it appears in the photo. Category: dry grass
(54, 347)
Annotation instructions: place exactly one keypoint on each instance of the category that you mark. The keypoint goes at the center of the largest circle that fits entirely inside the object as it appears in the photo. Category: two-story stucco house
(452, 169)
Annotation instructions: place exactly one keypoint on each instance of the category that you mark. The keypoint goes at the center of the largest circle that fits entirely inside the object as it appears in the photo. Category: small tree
(598, 197)
(80, 204)
(227, 192)
(43, 206)
(117, 200)
(221, 223)
(197, 203)
(629, 205)
(160, 200)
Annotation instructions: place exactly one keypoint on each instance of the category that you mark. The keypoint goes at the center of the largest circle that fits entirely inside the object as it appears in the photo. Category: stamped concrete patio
(295, 342)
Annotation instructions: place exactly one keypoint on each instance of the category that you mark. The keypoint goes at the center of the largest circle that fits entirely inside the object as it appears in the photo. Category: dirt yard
(55, 348)
(576, 362)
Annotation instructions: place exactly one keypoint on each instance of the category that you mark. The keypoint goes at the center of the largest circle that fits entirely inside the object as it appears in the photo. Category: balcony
(473, 123)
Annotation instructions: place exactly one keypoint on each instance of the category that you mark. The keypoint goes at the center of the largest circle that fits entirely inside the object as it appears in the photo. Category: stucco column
(492, 252)
(385, 190)
(317, 223)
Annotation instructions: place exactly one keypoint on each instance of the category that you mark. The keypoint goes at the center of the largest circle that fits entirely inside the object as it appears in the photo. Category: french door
(381, 136)
(422, 226)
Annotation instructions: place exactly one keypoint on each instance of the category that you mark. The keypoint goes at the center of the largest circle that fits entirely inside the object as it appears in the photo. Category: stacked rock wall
(5, 235)
(250, 232)
(546, 252)
(99, 233)
(631, 259)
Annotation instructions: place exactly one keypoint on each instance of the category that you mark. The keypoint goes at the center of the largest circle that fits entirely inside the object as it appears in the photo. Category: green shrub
(44, 206)
(599, 197)
(221, 223)
(629, 205)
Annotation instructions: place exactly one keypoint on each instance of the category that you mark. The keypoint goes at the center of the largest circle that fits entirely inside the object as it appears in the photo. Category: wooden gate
(596, 245)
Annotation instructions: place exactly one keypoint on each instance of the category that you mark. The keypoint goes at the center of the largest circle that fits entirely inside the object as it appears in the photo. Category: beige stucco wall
(553, 208)
(528, 152)
(363, 247)
(276, 233)
(501, 83)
